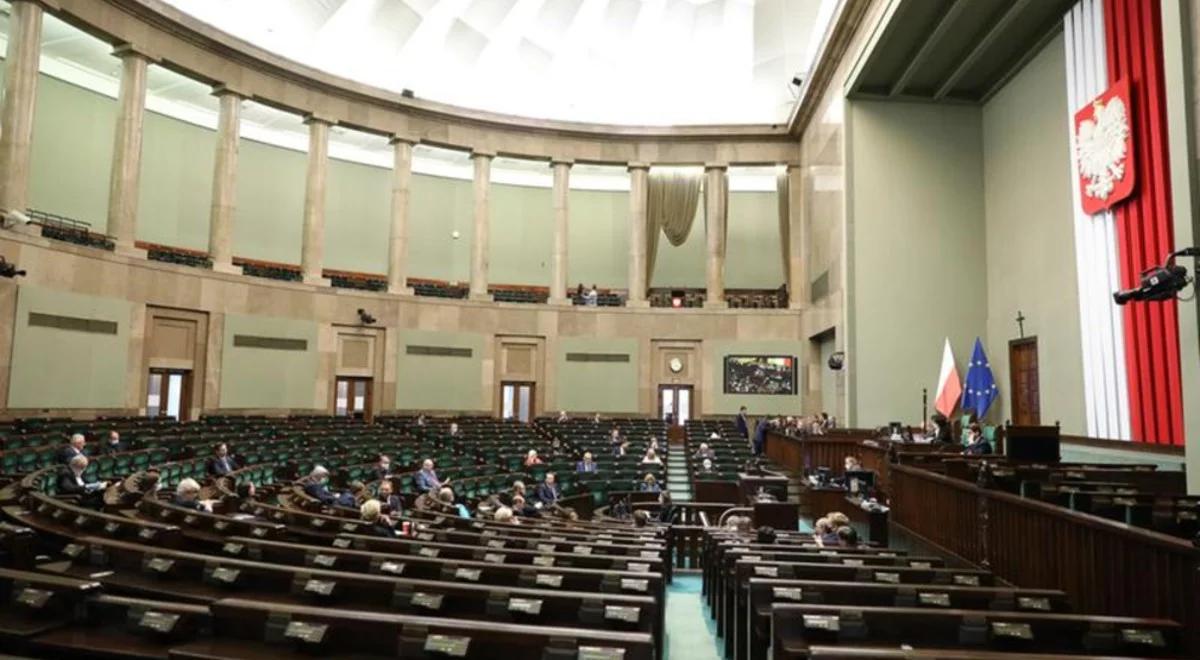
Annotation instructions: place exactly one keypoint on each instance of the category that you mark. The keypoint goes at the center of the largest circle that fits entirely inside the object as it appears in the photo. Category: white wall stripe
(1106, 393)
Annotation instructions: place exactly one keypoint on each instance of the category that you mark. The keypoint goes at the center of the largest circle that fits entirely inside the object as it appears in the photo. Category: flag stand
(924, 409)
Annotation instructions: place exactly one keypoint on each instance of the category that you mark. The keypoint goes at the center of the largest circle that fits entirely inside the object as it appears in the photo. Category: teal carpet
(691, 633)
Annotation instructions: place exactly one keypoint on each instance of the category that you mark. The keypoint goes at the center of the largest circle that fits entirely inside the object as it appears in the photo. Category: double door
(352, 397)
(675, 403)
(168, 393)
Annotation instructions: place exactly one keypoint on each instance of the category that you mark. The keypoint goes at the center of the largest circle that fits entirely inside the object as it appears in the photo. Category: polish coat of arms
(1104, 149)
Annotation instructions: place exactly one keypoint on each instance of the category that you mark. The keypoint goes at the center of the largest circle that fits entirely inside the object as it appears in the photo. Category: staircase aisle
(678, 483)
(691, 632)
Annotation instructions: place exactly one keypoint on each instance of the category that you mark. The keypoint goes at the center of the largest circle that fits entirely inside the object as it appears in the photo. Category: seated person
(427, 479)
(518, 490)
(596, 418)
(587, 465)
(641, 518)
(382, 469)
(649, 484)
(421, 419)
(620, 449)
(704, 452)
(651, 458)
(614, 436)
(390, 503)
(765, 535)
(667, 511)
(75, 447)
(73, 481)
(592, 297)
(446, 497)
(246, 491)
(652, 443)
(824, 533)
(938, 429)
(977, 445)
(315, 486)
(505, 515)
(706, 467)
(714, 436)
(378, 524)
(187, 495)
(548, 491)
(852, 464)
(114, 444)
(454, 432)
(531, 458)
(562, 417)
(221, 462)
(522, 508)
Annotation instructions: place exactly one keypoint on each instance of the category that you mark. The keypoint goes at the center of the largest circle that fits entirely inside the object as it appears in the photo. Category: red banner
(1104, 149)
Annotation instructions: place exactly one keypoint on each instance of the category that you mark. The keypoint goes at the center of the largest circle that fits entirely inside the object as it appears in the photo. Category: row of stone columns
(16, 132)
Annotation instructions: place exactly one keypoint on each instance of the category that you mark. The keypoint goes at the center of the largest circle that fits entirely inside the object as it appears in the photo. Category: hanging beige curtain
(671, 200)
(785, 223)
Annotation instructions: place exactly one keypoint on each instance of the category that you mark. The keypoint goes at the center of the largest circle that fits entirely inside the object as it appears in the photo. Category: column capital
(716, 165)
(395, 139)
(124, 50)
(482, 153)
(314, 118)
(50, 5)
(636, 165)
(569, 162)
(225, 89)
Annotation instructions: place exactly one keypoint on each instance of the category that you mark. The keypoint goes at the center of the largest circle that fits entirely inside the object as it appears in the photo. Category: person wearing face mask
(706, 466)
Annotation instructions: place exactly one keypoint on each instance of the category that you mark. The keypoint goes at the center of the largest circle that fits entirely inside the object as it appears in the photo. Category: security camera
(365, 318)
(1160, 283)
(837, 361)
(13, 217)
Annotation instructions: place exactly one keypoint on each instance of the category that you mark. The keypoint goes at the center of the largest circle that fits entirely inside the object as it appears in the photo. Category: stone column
(20, 94)
(312, 251)
(798, 277)
(562, 186)
(639, 176)
(127, 149)
(479, 243)
(398, 238)
(224, 195)
(716, 205)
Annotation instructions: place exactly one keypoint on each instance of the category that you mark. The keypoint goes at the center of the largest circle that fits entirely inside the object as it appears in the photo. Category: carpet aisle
(691, 633)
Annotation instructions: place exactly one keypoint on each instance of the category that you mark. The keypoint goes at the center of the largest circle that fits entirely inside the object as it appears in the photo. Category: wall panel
(264, 366)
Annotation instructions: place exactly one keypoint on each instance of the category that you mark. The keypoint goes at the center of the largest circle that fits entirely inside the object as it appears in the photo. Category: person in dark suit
(315, 487)
(523, 508)
(667, 511)
(73, 481)
(221, 462)
(114, 444)
(977, 444)
(548, 491)
(383, 468)
(743, 423)
(74, 448)
(391, 503)
(587, 465)
(760, 436)
(427, 479)
(939, 429)
(371, 512)
(187, 495)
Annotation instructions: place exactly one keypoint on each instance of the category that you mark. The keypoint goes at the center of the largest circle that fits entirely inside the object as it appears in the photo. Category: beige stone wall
(67, 268)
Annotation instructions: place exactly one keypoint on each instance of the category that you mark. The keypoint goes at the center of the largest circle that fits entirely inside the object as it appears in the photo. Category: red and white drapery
(1130, 354)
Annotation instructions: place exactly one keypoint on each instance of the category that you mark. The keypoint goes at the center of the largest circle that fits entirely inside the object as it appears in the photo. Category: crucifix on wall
(1020, 324)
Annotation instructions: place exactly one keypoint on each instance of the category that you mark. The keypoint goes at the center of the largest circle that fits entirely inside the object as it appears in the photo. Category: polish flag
(949, 386)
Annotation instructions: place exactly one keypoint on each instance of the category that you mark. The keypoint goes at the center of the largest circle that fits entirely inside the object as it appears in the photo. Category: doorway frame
(676, 386)
(533, 390)
(1012, 373)
(369, 411)
(185, 397)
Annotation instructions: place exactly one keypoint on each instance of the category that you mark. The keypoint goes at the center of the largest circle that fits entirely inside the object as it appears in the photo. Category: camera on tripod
(1161, 283)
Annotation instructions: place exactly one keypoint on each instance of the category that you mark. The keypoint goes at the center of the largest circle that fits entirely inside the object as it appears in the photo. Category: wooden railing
(685, 542)
(1105, 566)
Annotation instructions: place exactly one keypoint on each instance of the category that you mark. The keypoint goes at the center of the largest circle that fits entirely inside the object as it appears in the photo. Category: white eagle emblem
(1100, 147)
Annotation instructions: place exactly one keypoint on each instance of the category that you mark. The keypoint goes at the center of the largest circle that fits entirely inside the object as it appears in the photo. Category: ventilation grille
(73, 323)
(270, 343)
(439, 351)
(597, 357)
(820, 287)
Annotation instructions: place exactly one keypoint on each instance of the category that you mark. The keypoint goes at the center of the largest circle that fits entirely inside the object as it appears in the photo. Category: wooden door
(1023, 372)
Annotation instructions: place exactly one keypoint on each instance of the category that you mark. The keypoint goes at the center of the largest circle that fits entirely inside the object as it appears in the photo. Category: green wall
(357, 217)
(437, 207)
(522, 235)
(264, 377)
(598, 239)
(608, 387)
(918, 262)
(269, 220)
(434, 382)
(683, 266)
(753, 259)
(720, 403)
(1030, 236)
(53, 368)
(73, 133)
(175, 194)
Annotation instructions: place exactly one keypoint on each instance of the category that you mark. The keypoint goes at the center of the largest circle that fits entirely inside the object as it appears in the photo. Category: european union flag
(981, 388)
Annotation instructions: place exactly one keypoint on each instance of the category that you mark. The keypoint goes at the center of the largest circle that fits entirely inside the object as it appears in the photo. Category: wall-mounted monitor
(760, 374)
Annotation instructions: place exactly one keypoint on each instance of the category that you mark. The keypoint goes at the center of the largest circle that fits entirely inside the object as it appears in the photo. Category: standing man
(760, 436)
(743, 423)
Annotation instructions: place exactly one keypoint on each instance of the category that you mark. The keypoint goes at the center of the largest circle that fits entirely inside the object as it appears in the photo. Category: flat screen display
(760, 374)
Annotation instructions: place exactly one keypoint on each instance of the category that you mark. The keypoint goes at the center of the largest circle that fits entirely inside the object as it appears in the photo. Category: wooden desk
(872, 526)
(775, 484)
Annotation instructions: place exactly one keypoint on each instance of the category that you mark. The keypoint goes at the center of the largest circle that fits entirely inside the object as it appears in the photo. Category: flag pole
(924, 409)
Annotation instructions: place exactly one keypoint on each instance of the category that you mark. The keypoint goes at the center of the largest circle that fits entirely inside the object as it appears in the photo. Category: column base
(797, 306)
(316, 280)
(226, 267)
(716, 304)
(480, 297)
(561, 302)
(641, 304)
(401, 291)
(129, 250)
(23, 228)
